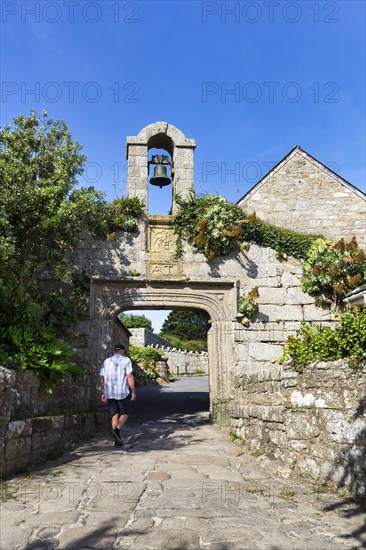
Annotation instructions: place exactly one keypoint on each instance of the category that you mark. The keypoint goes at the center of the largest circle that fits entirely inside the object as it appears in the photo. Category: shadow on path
(156, 415)
(349, 469)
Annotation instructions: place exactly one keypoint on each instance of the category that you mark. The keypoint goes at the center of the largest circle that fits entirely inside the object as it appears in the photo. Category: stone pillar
(184, 172)
(138, 172)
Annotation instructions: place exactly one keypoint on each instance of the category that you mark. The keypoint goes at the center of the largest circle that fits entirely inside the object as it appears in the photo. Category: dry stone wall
(313, 423)
(34, 422)
(182, 362)
(179, 361)
(144, 337)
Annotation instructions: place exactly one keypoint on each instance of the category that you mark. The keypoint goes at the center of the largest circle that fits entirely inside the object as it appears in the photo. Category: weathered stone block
(278, 296)
(280, 313)
(264, 352)
(290, 279)
(18, 428)
(314, 313)
(16, 447)
(297, 296)
(302, 426)
(298, 445)
(41, 425)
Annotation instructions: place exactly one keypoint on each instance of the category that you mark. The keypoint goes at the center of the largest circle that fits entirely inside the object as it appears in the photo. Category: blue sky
(248, 80)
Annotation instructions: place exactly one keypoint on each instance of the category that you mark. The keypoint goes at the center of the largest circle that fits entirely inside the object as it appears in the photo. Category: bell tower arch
(160, 135)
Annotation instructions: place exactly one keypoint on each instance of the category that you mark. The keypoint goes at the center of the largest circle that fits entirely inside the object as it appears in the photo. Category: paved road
(187, 395)
(179, 483)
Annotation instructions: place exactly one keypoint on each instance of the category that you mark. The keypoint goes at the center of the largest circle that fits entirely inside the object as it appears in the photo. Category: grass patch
(257, 453)
(197, 372)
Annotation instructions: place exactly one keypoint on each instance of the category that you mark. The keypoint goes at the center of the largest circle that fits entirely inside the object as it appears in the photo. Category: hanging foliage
(215, 227)
(333, 269)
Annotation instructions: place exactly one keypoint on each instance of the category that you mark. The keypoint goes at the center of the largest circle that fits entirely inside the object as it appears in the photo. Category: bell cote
(176, 162)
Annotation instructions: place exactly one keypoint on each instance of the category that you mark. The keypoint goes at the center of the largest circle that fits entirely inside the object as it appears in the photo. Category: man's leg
(114, 421)
(121, 421)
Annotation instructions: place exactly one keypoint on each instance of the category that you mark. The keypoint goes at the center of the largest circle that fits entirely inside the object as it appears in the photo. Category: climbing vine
(214, 227)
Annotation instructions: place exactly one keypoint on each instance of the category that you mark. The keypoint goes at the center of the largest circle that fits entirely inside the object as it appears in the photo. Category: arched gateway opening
(113, 297)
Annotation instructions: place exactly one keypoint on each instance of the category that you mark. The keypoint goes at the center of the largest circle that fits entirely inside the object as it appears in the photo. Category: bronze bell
(160, 177)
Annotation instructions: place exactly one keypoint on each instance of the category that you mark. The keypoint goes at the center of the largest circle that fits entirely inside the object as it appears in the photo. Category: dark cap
(117, 347)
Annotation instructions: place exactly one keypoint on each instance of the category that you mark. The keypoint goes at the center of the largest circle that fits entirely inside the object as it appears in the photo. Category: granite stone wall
(144, 337)
(313, 423)
(33, 422)
(180, 362)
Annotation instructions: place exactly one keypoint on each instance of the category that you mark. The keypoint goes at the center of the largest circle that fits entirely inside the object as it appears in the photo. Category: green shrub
(123, 215)
(334, 269)
(41, 351)
(346, 340)
(135, 321)
(143, 362)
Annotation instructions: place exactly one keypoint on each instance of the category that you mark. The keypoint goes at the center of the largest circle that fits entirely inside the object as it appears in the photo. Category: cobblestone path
(179, 483)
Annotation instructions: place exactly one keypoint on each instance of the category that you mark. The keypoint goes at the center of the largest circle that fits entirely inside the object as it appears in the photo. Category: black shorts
(120, 406)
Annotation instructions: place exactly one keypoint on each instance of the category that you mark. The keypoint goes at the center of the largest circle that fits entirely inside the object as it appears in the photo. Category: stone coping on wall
(22, 396)
(175, 350)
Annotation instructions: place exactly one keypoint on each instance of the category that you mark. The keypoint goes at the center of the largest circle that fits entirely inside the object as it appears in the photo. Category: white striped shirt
(114, 371)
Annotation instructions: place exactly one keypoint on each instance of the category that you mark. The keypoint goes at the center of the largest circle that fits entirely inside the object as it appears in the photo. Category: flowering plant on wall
(248, 306)
(333, 269)
(214, 227)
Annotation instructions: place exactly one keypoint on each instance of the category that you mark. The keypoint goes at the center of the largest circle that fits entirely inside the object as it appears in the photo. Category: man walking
(118, 389)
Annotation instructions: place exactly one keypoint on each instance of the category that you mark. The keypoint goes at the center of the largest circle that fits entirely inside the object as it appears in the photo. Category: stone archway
(109, 298)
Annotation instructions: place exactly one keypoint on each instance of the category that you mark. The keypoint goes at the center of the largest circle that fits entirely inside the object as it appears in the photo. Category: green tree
(186, 325)
(42, 215)
(135, 321)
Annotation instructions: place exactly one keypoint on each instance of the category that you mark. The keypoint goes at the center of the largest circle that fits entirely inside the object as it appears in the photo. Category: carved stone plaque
(161, 247)
(164, 269)
(161, 241)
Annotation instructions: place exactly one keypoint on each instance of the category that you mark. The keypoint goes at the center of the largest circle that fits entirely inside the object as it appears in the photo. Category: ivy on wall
(214, 227)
